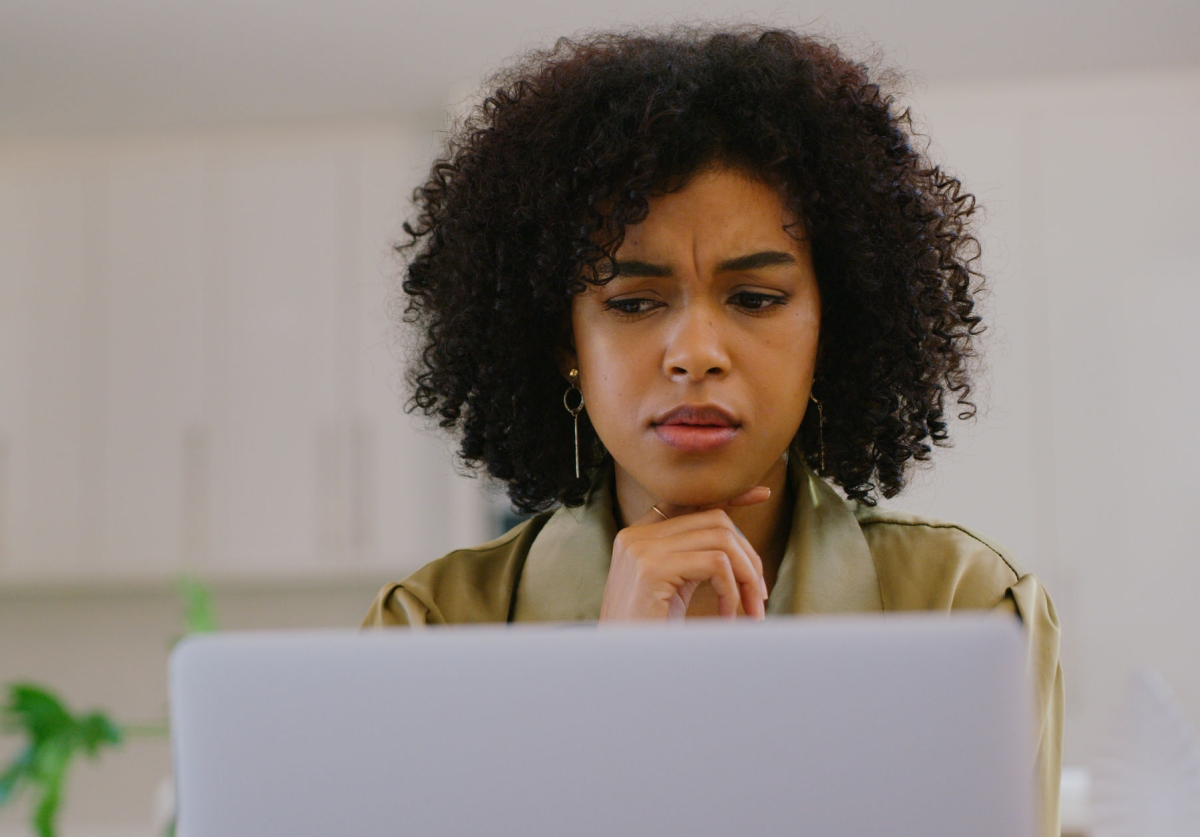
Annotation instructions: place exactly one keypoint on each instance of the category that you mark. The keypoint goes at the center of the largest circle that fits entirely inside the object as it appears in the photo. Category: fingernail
(762, 583)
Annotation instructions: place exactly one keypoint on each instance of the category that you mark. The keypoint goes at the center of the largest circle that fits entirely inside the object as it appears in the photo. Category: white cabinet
(153, 415)
(409, 505)
(48, 386)
(275, 411)
(197, 371)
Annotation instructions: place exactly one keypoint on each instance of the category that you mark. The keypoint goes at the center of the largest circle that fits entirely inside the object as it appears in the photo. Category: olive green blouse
(841, 557)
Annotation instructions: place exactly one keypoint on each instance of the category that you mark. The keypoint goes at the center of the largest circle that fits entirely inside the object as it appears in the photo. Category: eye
(756, 301)
(632, 306)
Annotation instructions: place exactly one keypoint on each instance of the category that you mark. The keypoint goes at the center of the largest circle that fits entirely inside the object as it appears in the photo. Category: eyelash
(623, 306)
(763, 301)
(751, 302)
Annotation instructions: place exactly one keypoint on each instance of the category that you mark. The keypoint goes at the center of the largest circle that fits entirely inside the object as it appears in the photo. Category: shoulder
(467, 585)
(929, 564)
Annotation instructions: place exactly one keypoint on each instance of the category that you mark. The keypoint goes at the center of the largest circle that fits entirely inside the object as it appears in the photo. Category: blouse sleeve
(933, 565)
(396, 607)
(1029, 601)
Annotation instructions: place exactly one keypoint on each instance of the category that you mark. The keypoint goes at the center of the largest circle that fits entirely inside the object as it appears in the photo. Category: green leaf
(54, 736)
(20, 768)
(96, 730)
(47, 810)
(53, 758)
(35, 711)
(8, 781)
(198, 614)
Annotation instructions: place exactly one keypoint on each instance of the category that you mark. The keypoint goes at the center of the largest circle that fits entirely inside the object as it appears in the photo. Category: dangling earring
(574, 411)
(820, 429)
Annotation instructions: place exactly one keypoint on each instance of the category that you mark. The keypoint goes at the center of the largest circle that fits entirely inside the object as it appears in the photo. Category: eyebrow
(753, 261)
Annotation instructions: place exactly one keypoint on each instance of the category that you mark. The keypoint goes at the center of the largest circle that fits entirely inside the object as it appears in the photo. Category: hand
(658, 564)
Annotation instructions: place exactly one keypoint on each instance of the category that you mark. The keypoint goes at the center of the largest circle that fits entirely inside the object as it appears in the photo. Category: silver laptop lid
(912, 725)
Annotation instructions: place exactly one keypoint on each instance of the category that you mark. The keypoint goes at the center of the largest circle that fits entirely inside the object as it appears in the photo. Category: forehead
(715, 210)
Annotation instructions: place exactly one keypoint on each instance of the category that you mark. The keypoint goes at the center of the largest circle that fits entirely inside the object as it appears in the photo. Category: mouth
(696, 427)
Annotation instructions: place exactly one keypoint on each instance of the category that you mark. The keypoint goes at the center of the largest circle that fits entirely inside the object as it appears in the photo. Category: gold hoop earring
(820, 430)
(573, 375)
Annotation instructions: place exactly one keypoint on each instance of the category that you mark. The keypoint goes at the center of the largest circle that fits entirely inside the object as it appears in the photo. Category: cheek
(786, 355)
(603, 374)
(806, 332)
(612, 388)
(610, 370)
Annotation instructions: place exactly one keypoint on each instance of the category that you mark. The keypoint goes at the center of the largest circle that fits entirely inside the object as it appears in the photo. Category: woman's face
(697, 359)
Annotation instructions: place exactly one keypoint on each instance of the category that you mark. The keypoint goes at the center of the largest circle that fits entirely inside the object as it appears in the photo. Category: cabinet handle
(362, 487)
(331, 493)
(4, 524)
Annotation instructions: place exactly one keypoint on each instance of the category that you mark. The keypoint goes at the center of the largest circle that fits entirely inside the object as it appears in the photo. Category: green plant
(198, 614)
(54, 736)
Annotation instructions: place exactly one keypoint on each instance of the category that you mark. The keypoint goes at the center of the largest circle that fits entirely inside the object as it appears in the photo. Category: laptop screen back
(913, 725)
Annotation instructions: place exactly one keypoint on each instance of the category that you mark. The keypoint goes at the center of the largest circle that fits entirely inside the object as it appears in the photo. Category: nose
(696, 347)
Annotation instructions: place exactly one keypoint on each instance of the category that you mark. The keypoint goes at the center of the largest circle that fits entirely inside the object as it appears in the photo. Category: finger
(754, 557)
(744, 561)
(712, 519)
(655, 514)
(714, 567)
(728, 598)
(754, 605)
(748, 570)
(707, 521)
(757, 494)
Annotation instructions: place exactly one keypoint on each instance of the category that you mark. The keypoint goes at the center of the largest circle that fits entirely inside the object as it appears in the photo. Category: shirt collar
(827, 566)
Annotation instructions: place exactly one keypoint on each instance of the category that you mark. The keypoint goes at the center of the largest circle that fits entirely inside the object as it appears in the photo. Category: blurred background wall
(197, 373)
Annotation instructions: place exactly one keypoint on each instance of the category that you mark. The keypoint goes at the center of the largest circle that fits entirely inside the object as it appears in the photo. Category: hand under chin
(703, 604)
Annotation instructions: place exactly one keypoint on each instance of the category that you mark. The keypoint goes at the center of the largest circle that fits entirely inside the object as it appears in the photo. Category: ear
(564, 354)
(821, 342)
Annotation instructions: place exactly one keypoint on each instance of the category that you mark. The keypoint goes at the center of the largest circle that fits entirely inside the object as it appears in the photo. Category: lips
(696, 427)
(702, 415)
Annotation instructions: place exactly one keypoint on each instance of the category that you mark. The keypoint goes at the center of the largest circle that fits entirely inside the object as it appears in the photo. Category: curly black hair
(538, 183)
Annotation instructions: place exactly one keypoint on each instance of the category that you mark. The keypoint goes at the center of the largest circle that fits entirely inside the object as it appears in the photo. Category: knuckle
(719, 561)
(728, 540)
(719, 517)
(637, 551)
(642, 576)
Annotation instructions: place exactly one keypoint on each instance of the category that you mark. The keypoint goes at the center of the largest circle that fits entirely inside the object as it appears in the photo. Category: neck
(766, 525)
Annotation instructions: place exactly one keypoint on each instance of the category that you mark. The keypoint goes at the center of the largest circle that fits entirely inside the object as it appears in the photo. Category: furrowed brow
(755, 261)
(642, 270)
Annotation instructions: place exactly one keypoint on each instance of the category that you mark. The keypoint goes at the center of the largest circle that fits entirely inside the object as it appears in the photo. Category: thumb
(757, 494)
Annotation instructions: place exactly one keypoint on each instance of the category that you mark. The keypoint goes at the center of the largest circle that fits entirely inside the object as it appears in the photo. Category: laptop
(818, 726)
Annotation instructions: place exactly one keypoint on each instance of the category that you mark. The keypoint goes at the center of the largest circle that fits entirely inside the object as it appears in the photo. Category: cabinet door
(275, 280)
(49, 379)
(197, 369)
(152, 506)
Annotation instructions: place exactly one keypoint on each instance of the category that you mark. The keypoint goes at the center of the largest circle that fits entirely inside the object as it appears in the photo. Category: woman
(672, 287)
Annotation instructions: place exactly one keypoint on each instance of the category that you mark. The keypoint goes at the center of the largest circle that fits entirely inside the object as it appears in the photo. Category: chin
(697, 490)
